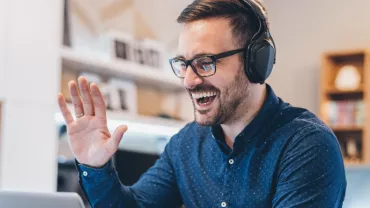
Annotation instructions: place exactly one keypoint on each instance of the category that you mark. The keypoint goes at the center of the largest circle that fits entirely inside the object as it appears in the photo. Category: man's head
(211, 27)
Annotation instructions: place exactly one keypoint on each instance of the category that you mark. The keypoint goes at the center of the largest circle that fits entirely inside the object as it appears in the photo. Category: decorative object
(139, 53)
(352, 151)
(145, 52)
(123, 95)
(153, 52)
(348, 78)
(122, 45)
(106, 92)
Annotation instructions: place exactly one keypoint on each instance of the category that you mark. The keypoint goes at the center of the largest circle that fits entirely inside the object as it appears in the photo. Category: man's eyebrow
(195, 56)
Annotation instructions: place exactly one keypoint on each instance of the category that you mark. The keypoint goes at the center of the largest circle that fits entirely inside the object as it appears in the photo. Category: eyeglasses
(203, 66)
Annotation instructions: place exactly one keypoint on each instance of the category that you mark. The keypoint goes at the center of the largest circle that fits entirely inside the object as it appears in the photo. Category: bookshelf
(345, 106)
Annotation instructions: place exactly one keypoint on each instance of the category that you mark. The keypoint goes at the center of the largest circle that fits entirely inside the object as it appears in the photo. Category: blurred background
(323, 64)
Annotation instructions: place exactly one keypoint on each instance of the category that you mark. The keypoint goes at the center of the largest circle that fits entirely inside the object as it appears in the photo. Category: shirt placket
(230, 171)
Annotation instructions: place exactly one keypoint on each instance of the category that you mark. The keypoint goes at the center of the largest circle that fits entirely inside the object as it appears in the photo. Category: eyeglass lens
(205, 66)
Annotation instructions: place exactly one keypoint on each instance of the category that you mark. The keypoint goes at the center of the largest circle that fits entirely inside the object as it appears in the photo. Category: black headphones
(260, 53)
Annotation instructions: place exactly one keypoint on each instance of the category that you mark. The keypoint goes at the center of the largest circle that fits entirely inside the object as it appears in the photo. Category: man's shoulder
(291, 123)
(307, 135)
(305, 126)
(306, 122)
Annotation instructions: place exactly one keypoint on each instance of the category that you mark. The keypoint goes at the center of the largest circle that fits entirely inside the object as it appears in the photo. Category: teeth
(203, 94)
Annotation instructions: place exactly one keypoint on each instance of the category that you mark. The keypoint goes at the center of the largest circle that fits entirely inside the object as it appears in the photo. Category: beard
(225, 110)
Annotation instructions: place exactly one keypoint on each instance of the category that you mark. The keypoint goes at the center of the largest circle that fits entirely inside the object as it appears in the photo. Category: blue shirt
(286, 157)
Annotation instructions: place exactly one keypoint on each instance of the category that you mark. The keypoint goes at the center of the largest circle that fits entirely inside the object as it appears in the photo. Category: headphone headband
(255, 7)
(260, 53)
(258, 12)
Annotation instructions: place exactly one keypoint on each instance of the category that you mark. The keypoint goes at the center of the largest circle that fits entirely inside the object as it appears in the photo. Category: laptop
(358, 187)
(10, 199)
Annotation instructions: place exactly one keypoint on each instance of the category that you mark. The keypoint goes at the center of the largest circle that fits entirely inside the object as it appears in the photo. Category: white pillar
(3, 34)
(31, 34)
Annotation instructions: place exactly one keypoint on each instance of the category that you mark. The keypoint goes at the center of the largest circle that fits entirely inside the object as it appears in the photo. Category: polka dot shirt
(286, 157)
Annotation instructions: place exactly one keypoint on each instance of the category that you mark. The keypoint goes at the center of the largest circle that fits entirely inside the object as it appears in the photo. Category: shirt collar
(269, 107)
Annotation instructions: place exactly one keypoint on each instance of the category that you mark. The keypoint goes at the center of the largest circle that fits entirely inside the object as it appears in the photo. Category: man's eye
(207, 66)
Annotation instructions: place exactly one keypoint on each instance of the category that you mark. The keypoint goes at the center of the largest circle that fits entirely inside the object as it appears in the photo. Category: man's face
(228, 88)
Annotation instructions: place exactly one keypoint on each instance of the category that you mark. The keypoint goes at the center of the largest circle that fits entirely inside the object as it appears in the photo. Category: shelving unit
(347, 112)
(121, 69)
(141, 75)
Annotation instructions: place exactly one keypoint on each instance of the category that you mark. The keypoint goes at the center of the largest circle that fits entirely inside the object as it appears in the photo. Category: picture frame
(154, 53)
(146, 52)
(123, 95)
(122, 46)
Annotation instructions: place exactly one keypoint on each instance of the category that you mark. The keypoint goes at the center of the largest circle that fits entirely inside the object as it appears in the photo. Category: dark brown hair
(244, 24)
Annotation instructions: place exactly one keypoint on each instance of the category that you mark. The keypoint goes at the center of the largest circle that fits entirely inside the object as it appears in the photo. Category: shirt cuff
(96, 175)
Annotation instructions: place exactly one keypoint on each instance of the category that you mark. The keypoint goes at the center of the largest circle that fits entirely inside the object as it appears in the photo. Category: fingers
(91, 101)
(76, 99)
(87, 101)
(64, 109)
(114, 141)
(100, 108)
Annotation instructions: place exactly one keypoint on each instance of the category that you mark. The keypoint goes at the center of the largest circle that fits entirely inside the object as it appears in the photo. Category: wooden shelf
(125, 117)
(348, 163)
(334, 91)
(145, 134)
(346, 128)
(346, 53)
(123, 69)
(132, 117)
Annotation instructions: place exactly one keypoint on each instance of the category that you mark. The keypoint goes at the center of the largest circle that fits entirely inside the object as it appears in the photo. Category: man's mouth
(204, 99)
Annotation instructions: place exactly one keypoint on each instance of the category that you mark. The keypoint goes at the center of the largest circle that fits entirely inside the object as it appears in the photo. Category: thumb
(114, 141)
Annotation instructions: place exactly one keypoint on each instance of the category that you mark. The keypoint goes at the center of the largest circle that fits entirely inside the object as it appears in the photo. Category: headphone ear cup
(261, 60)
(264, 60)
(248, 64)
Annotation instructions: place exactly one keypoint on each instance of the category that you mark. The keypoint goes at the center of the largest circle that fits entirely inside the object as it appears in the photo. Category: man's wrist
(81, 167)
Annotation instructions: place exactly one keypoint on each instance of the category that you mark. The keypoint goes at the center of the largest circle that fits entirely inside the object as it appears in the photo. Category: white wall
(302, 30)
(3, 13)
(31, 31)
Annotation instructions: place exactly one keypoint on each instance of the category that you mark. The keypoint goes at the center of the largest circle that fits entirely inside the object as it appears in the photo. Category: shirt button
(84, 173)
(231, 161)
(223, 204)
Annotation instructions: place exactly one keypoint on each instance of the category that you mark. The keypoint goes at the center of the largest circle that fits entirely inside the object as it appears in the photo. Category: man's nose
(191, 79)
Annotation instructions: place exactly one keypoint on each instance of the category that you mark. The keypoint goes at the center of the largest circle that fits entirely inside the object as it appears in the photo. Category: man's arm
(156, 188)
(93, 145)
(311, 173)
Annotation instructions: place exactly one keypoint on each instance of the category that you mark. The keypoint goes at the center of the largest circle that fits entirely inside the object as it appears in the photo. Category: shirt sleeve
(311, 173)
(155, 188)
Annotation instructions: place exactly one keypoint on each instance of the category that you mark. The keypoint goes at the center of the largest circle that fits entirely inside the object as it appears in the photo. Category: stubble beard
(235, 95)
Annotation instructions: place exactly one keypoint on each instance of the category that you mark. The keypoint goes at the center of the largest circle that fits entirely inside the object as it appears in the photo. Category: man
(246, 147)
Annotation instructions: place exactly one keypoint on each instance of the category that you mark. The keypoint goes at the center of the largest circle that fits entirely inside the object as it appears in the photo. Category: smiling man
(246, 147)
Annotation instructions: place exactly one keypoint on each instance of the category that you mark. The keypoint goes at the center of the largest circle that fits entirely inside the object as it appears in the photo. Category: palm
(89, 138)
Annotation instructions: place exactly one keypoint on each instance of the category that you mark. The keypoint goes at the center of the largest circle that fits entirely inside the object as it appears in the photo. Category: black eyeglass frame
(213, 57)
